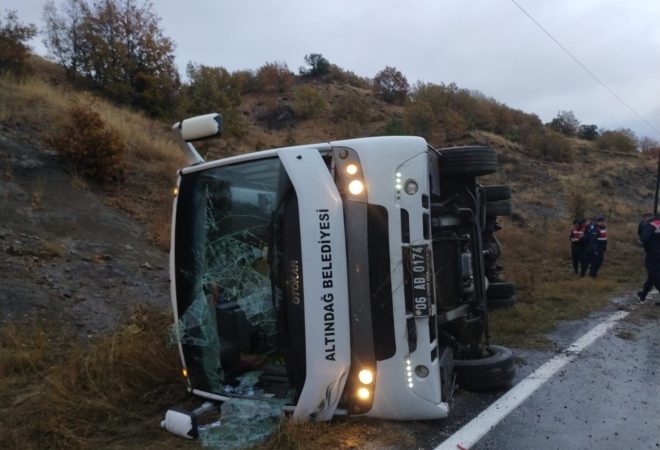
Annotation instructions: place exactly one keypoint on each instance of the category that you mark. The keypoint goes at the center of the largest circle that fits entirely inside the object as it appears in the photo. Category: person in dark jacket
(648, 284)
(577, 244)
(651, 241)
(595, 246)
(646, 218)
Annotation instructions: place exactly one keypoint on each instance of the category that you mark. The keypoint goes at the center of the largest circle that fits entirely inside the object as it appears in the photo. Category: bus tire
(500, 289)
(499, 208)
(497, 192)
(500, 303)
(473, 161)
(494, 371)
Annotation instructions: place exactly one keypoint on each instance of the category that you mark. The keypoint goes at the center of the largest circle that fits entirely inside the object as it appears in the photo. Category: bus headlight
(366, 376)
(356, 187)
(361, 388)
(363, 393)
(351, 169)
(349, 175)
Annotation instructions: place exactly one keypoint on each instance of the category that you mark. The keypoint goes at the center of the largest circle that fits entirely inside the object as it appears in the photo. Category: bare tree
(64, 34)
(647, 144)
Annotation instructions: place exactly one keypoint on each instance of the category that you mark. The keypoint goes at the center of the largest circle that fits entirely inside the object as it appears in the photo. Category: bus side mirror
(196, 129)
(200, 127)
(180, 422)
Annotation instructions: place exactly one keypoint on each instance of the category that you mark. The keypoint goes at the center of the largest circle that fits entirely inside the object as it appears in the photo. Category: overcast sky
(487, 45)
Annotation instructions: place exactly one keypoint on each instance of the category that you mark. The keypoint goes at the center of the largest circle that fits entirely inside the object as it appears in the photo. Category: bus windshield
(230, 274)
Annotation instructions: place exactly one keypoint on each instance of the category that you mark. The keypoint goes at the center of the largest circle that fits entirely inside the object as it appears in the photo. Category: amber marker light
(175, 191)
(184, 372)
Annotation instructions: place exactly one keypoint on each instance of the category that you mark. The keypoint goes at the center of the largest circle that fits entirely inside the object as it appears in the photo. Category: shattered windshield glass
(229, 276)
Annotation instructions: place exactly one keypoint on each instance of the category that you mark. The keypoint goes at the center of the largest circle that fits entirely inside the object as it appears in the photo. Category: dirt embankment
(66, 258)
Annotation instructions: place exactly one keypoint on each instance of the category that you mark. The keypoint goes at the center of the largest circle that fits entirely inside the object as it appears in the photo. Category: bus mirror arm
(190, 152)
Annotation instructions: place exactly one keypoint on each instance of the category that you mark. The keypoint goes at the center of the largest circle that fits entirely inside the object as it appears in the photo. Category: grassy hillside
(61, 392)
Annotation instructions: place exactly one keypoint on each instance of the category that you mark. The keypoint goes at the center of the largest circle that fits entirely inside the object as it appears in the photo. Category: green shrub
(93, 149)
(394, 127)
(348, 129)
(420, 118)
(318, 66)
(551, 145)
(339, 75)
(579, 197)
(351, 107)
(454, 124)
(275, 77)
(565, 123)
(307, 102)
(215, 89)
(246, 81)
(621, 140)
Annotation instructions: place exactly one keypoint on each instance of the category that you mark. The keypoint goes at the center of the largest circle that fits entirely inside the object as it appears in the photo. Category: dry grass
(538, 260)
(31, 102)
(50, 249)
(77, 181)
(151, 162)
(346, 433)
(111, 393)
(58, 393)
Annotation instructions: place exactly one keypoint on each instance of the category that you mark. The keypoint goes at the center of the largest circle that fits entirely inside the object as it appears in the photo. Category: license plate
(420, 277)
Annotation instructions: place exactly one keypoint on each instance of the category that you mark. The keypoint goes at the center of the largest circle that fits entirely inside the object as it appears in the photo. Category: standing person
(577, 244)
(651, 240)
(596, 246)
(646, 218)
(648, 284)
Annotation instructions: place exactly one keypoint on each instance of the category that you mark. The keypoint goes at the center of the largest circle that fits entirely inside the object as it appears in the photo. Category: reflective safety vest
(655, 223)
(577, 233)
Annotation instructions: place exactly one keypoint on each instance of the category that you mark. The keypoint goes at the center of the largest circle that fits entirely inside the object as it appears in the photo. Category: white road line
(477, 428)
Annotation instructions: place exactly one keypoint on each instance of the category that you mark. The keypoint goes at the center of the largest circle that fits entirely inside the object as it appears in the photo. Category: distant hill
(553, 177)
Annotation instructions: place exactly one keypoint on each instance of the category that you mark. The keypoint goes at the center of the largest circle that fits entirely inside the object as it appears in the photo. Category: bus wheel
(494, 371)
(500, 302)
(498, 208)
(473, 161)
(497, 192)
(501, 289)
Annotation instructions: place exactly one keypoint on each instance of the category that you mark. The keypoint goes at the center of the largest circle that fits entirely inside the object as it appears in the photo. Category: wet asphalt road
(608, 398)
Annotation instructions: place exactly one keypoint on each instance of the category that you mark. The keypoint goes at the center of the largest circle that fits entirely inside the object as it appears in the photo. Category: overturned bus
(342, 278)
